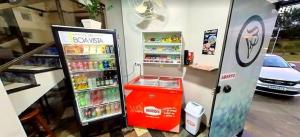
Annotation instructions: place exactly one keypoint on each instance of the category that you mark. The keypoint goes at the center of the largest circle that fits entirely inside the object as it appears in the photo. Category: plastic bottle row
(100, 111)
(92, 65)
(84, 81)
(97, 97)
(88, 49)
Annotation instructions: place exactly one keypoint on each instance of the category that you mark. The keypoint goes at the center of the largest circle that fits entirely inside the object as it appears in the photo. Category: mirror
(292, 65)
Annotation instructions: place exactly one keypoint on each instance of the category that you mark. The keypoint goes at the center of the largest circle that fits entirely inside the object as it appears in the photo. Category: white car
(278, 77)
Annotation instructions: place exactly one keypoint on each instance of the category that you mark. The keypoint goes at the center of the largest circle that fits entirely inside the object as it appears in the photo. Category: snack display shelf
(162, 44)
(102, 117)
(161, 63)
(103, 103)
(162, 53)
(97, 88)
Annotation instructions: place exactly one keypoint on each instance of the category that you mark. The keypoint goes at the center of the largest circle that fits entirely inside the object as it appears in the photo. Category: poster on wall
(209, 42)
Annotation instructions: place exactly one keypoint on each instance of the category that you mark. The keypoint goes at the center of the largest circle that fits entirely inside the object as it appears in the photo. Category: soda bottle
(111, 47)
(111, 82)
(86, 65)
(86, 49)
(101, 83)
(107, 49)
(101, 67)
(106, 80)
(91, 66)
(80, 65)
(98, 83)
(99, 50)
(95, 65)
(90, 83)
(94, 82)
(104, 94)
(100, 96)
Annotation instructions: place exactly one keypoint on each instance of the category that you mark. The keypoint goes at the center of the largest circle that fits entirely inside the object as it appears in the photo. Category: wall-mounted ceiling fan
(149, 11)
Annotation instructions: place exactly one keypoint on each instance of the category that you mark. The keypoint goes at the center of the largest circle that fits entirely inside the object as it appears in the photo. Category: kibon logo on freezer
(151, 110)
(250, 41)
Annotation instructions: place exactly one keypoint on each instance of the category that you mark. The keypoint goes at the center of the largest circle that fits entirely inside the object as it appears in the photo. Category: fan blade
(159, 3)
(159, 17)
(143, 24)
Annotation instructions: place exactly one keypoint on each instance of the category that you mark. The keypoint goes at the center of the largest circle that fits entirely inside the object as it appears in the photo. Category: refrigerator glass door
(93, 74)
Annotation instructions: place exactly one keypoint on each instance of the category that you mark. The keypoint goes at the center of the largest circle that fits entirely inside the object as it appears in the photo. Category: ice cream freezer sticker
(153, 112)
(209, 42)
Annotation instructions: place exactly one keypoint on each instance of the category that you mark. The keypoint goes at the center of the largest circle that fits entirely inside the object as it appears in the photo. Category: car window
(275, 61)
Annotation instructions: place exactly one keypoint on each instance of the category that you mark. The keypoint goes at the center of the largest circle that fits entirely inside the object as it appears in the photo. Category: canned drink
(98, 111)
(117, 106)
(190, 57)
(107, 107)
(112, 107)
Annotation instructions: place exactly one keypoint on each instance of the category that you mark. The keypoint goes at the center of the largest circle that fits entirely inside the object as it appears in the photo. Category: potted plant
(93, 7)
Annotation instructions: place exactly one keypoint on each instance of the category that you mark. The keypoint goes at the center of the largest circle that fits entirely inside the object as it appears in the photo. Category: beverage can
(98, 111)
(107, 107)
(117, 106)
(103, 110)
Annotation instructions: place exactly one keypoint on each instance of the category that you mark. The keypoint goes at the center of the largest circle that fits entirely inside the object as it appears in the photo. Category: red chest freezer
(154, 102)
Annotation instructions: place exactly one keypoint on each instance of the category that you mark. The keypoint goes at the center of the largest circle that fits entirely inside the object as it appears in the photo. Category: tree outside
(288, 43)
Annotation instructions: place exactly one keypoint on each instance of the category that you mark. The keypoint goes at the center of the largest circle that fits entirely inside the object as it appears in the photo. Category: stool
(34, 116)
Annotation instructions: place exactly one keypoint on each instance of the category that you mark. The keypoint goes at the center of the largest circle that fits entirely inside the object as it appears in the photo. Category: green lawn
(291, 57)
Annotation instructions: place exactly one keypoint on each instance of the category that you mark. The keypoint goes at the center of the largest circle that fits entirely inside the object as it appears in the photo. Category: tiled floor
(269, 116)
(68, 128)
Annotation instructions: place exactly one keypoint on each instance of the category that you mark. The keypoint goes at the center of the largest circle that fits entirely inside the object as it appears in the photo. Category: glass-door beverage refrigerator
(91, 67)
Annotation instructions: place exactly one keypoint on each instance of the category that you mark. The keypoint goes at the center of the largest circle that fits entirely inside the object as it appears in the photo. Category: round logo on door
(250, 41)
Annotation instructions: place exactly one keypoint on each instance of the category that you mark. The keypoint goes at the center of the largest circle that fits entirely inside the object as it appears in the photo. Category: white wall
(192, 17)
(10, 125)
(114, 20)
(204, 15)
